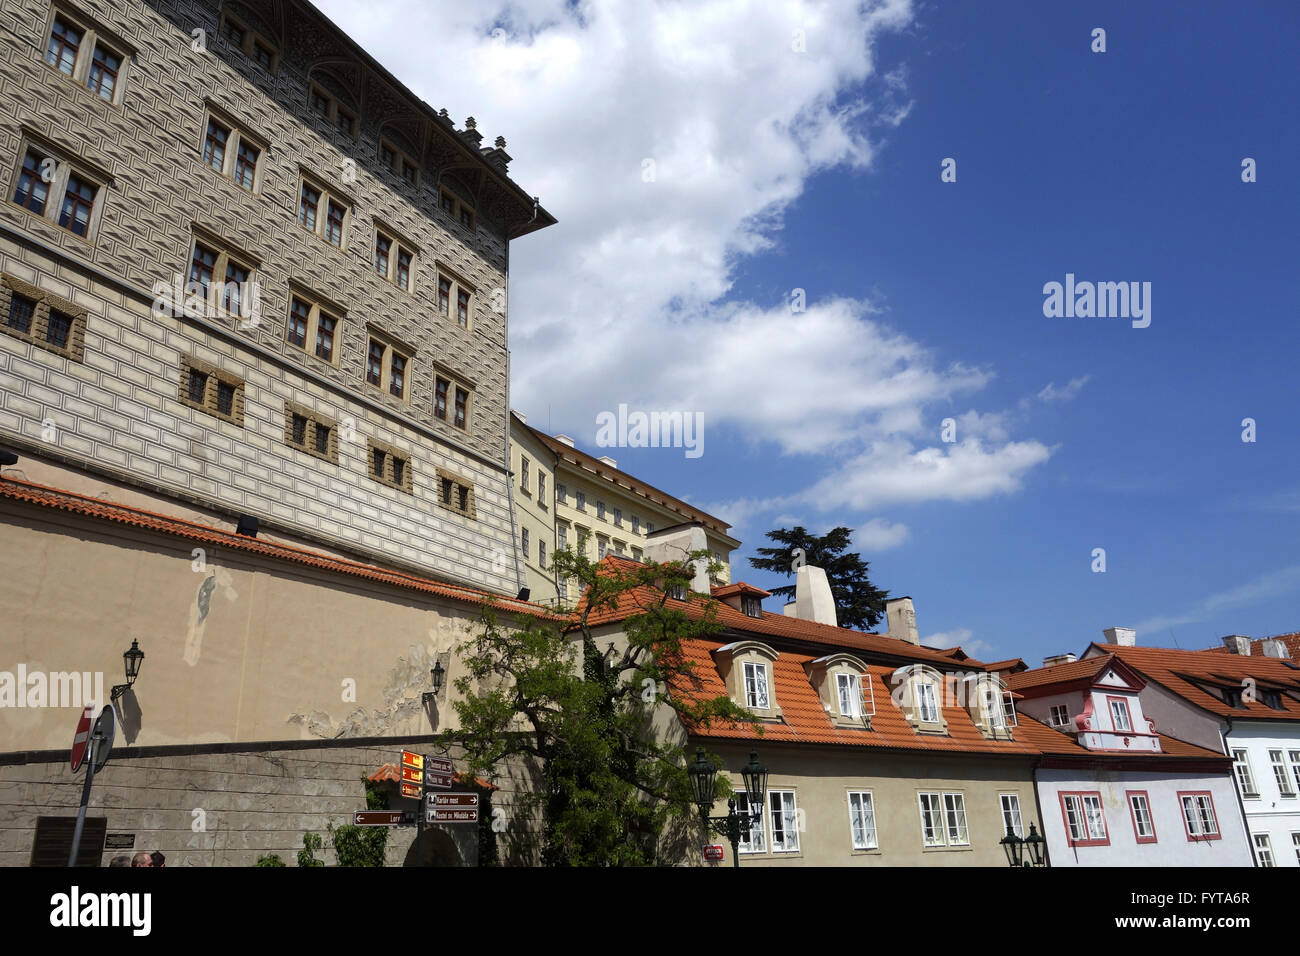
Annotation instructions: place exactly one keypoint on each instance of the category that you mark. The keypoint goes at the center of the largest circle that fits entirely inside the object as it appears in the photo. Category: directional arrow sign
(433, 778)
(451, 815)
(383, 818)
(451, 799)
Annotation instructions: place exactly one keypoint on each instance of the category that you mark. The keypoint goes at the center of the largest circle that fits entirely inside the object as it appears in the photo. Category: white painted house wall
(1272, 812)
(1172, 846)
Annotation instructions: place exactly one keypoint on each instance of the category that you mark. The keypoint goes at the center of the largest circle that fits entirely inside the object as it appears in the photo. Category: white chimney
(1123, 636)
(902, 620)
(1237, 644)
(664, 546)
(564, 440)
(1059, 659)
(1274, 648)
(609, 461)
(788, 610)
(812, 596)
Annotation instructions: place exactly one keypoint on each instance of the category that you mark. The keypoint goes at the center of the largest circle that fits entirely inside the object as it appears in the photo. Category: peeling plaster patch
(220, 581)
(403, 687)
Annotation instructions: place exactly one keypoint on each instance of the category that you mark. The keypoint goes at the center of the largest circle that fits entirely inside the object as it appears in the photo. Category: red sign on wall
(713, 854)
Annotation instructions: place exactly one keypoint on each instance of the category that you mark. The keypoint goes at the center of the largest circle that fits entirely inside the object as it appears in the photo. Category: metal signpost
(91, 748)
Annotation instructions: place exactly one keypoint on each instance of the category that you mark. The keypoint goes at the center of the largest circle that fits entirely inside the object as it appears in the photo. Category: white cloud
(1065, 393)
(1283, 581)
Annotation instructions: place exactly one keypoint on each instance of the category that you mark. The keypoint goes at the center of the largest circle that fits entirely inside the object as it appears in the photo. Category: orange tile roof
(772, 625)
(61, 500)
(1175, 670)
(1084, 669)
(739, 587)
(1015, 664)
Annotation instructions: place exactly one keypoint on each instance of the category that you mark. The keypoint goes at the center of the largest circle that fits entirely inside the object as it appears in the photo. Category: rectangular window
(440, 398)
(561, 493)
(755, 840)
(246, 164)
(523, 474)
(1295, 843)
(462, 308)
(320, 102)
(455, 493)
(849, 690)
(862, 820)
(927, 704)
(1245, 779)
(954, 810)
(387, 368)
(390, 465)
(462, 408)
(618, 517)
(214, 145)
(1144, 828)
(541, 552)
(749, 605)
(232, 296)
(21, 311)
(1281, 774)
(299, 319)
(203, 264)
(1294, 757)
(581, 500)
(1263, 850)
(785, 821)
(1119, 715)
(756, 694)
(211, 390)
(264, 55)
(458, 210)
(104, 68)
(325, 326)
(33, 188)
(397, 376)
(231, 151)
(382, 246)
(1060, 715)
(344, 120)
(444, 295)
(58, 325)
(375, 364)
(1085, 821)
(600, 510)
(636, 525)
(931, 820)
(298, 430)
(403, 268)
(541, 490)
(78, 203)
(524, 542)
(65, 41)
(1011, 821)
(1198, 815)
(398, 162)
(334, 223)
(308, 202)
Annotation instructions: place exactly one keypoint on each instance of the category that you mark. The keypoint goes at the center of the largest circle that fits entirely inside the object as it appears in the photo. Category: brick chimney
(1237, 644)
(1123, 636)
(901, 616)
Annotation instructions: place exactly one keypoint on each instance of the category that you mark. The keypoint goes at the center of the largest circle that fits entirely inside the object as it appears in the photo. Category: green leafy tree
(270, 859)
(311, 842)
(858, 602)
(362, 846)
(585, 716)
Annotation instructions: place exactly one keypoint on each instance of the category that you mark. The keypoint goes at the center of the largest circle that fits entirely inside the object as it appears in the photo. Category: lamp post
(131, 661)
(734, 826)
(1017, 847)
(436, 673)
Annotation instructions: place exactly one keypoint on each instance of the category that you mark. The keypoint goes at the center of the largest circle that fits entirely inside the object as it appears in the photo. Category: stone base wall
(229, 808)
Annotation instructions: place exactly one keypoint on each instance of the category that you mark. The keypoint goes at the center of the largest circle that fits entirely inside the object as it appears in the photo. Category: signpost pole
(85, 800)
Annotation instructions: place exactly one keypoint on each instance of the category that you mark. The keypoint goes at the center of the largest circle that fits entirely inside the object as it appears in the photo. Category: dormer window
(751, 606)
(927, 707)
(844, 686)
(849, 692)
(1119, 716)
(1271, 698)
(756, 686)
(916, 690)
(677, 592)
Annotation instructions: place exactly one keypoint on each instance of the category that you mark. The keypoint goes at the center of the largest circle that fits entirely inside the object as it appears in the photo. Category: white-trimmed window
(1060, 715)
(954, 816)
(1294, 757)
(1281, 773)
(991, 698)
(751, 605)
(756, 685)
(931, 819)
(1198, 816)
(1011, 821)
(324, 211)
(1085, 820)
(848, 688)
(1263, 850)
(1119, 715)
(862, 820)
(232, 151)
(1245, 778)
(785, 821)
(927, 701)
(756, 842)
(1144, 828)
(76, 48)
(1295, 843)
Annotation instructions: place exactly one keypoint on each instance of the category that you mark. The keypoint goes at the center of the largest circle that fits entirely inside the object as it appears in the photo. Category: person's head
(122, 860)
(142, 859)
(158, 858)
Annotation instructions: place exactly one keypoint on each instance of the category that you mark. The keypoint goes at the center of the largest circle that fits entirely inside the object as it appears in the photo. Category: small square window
(21, 311)
(57, 328)
(198, 386)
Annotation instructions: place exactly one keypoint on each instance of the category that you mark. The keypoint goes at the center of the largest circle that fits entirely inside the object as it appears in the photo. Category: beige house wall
(534, 511)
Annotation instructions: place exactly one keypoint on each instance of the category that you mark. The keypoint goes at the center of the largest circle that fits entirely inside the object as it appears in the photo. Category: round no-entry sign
(81, 739)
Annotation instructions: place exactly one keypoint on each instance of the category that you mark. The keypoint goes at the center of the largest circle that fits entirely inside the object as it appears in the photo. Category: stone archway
(433, 848)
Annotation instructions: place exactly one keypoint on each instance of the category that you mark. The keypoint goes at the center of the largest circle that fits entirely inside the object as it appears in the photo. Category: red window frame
(1129, 795)
(1202, 837)
(1083, 818)
(1123, 702)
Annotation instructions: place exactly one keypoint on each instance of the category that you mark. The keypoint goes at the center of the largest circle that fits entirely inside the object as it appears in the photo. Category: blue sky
(819, 169)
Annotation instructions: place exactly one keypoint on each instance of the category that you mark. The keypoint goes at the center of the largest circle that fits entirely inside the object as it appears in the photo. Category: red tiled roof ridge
(65, 500)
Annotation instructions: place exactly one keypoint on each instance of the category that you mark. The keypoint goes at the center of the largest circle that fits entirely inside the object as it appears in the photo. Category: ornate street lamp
(436, 674)
(131, 661)
(1023, 851)
(734, 826)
